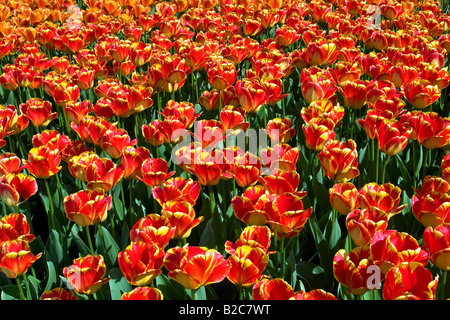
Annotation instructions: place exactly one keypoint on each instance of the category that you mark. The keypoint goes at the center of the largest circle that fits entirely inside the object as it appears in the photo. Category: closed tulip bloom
(251, 94)
(282, 181)
(178, 189)
(445, 167)
(410, 281)
(221, 74)
(391, 248)
(143, 293)
(344, 197)
(362, 224)
(351, 269)
(272, 289)
(87, 207)
(152, 133)
(340, 160)
(436, 242)
(280, 130)
(131, 161)
(318, 131)
(115, 141)
(154, 171)
(51, 138)
(43, 162)
(181, 216)
(279, 157)
(141, 262)
(247, 264)
(38, 111)
(193, 266)
(253, 236)
(87, 274)
(15, 226)
(233, 118)
(153, 228)
(393, 136)
(246, 169)
(78, 164)
(103, 174)
(16, 258)
(58, 294)
(91, 129)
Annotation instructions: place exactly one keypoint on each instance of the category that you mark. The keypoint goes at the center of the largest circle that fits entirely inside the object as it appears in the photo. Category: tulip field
(224, 150)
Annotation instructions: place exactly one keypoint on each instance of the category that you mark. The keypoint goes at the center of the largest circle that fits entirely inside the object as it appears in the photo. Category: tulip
(253, 236)
(254, 207)
(178, 189)
(221, 74)
(431, 209)
(384, 197)
(154, 172)
(393, 136)
(344, 198)
(420, 93)
(114, 142)
(87, 207)
(436, 242)
(274, 289)
(409, 281)
(181, 216)
(315, 294)
(289, 216)
(141, 262)
(38, 111)
(391, 248)
(143, 293)
(15, 226)
(16, 258)
(193, 267)
(318, 131)
(58, 294)
(16, 188)
(251, 95)
(430, 130)
(280, 130)
(351, 269)
(247, 264)
(339, 160)
(362, 224)
(43, 162)
(87, 274)
(152, 228)
(102, 174)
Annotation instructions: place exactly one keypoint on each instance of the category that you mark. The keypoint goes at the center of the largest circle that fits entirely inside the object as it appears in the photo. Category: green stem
(88, 234)
(50, 201)
(22, 295)
(100, 231)
(444, 283)
(383, 174)
(283, 255)
(192, 294)
(27, 287)
(377, 161)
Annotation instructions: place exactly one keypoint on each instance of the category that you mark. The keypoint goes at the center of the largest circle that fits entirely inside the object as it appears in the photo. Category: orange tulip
(87, 207)
(420, 93)
(43, 162)
(409, 281)
(178, 189)
(16, 257)
(272, 289)
(315, 294)
(58, 294)
(143, 293)
(87, 274)
(193, 267)
(152, 228)
(391, 248)
(247, 264)
(437, 244)
(253, 236)
(254, 207)
(154, 171)
(344, 197)
(16, 188)
(339, 160)
(102, 174)
(384, 197)
(362, 224)
(351, 269)
(181, 216)
(15, 226)
(38, 111)
(141, 262)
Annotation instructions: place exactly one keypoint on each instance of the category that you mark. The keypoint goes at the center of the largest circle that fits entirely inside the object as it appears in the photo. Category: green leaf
(313, 276)
(54, 248)
(170, 290)
(118, 284)
(207, 239)
(82, 247)
(106, 244)
(10, 292)
(34, 285)
(51, 276)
